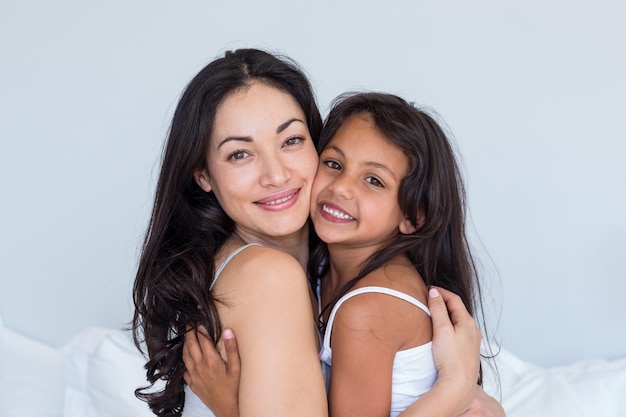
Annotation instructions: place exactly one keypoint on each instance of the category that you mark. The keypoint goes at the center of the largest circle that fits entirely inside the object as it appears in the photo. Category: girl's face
(261, 162)
(354, 200)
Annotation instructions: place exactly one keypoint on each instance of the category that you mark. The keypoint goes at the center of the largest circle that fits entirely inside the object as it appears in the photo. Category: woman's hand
(456, 350)
(482, 405)
(213, 376)
(456, 339)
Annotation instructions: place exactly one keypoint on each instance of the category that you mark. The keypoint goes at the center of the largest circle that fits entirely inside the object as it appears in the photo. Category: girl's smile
(355, 193)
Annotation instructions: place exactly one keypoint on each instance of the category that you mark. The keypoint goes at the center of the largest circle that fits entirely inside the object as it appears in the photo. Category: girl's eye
(237, 155)
(332, 164)
(374, 181)
(294, 141)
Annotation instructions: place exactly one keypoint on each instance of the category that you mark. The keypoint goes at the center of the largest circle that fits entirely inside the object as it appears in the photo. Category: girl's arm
(212, 376)
(363, 351)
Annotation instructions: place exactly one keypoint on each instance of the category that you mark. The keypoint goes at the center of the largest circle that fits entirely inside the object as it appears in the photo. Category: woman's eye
(332, 164)
(294, 141)
(374, 181)
(237, 155)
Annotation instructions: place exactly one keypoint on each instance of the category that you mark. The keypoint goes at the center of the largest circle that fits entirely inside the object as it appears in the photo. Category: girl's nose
(343, 186)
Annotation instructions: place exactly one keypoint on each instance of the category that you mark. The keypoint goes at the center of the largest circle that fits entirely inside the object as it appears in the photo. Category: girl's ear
(407, 227)
(202, 179)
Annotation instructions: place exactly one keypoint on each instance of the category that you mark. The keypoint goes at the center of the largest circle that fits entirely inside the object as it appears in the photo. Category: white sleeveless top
(194, 407)
(414, 369)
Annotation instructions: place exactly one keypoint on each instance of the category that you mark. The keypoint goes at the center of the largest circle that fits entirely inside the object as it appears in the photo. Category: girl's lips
(279, 201)
(334, 213)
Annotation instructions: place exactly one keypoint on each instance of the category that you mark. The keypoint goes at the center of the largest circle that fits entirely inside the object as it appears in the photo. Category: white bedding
(95, 374)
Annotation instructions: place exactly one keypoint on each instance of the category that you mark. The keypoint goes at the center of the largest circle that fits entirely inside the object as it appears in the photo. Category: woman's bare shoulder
(263, 261)
(260, 271)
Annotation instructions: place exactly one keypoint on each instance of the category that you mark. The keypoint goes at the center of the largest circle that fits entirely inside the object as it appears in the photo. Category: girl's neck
(296, 244)
(345, 264)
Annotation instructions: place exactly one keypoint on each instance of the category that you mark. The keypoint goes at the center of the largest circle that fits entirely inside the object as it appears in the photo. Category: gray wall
(533, 93)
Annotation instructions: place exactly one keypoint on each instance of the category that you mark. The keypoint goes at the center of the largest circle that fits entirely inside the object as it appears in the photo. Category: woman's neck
(296, 244)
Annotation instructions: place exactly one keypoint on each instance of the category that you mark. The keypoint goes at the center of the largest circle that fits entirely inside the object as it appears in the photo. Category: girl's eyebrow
(368, 163)
(279, 129)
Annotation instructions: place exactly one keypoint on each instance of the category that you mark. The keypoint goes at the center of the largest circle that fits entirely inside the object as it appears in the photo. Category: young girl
(387, 203)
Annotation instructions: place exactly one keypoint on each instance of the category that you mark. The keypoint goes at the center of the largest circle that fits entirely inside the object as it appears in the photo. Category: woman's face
(262, 162)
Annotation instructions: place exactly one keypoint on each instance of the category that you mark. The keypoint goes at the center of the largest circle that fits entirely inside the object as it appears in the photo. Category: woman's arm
(456, 349)
(266, 302)
(456, 340)
(268, 306)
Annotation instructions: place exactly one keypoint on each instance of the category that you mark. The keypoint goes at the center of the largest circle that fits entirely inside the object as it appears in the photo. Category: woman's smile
(279, 201)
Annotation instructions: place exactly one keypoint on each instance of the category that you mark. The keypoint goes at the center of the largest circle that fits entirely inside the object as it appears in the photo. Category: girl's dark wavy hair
(188, 226)
(433, 187)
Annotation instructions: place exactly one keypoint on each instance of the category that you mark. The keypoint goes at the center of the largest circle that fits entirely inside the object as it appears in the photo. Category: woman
(232, 201)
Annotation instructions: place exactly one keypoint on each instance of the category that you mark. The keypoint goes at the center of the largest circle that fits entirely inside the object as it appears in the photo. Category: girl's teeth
(336, 213)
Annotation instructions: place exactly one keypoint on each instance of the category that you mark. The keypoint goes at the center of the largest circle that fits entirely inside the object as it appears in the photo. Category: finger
(438, 310)
(203, 331)
(455, 307)
(192, 351)
(232, 351)
(209, 351)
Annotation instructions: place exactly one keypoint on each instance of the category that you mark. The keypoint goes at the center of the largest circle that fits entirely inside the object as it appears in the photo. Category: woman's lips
(279, 201)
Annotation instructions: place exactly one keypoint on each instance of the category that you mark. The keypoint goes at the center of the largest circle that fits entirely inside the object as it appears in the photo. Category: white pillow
(31, 377)
(104, 368)
(590, 387)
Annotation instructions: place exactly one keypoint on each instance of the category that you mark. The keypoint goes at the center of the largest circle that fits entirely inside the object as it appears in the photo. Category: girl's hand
(213, 376)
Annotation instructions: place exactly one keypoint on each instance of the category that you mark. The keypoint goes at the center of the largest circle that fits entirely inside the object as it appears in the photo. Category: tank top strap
(225, 262)
(369, 289)
(318, 292)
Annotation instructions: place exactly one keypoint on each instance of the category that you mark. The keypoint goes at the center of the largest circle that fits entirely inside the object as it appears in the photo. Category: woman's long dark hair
(188, 226)
(432, 188)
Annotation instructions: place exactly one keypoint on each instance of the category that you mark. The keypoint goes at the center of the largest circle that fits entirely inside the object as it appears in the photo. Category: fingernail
(432, 293)
(228, 334)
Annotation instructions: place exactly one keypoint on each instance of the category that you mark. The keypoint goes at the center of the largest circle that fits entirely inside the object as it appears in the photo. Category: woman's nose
(275, 171)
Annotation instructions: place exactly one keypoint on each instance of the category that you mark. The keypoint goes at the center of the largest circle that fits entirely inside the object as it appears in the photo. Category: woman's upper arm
(456, 343)
(280, 369)
(362, 362)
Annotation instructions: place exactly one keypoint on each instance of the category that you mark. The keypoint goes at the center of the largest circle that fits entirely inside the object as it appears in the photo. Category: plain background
(533, 92)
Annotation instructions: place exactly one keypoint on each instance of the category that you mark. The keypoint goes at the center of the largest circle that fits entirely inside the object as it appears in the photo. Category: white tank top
(414, 369)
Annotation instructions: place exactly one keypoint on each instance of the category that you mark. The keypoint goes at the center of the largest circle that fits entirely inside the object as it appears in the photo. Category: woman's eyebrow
(285, 125)
(279, 129)
(234, 138)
